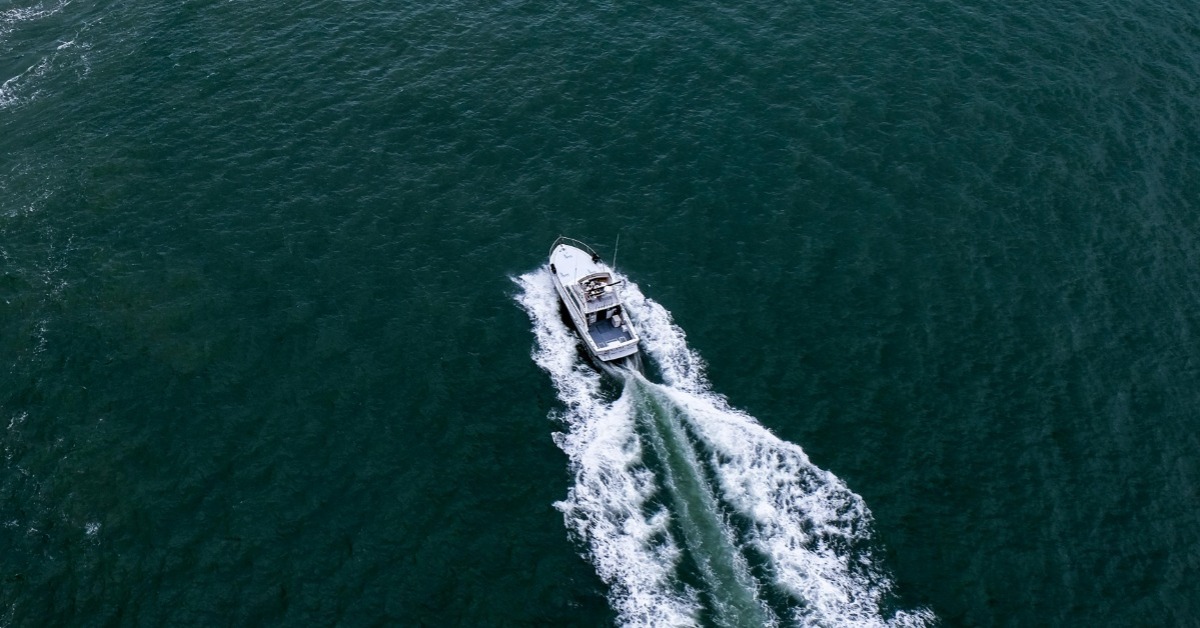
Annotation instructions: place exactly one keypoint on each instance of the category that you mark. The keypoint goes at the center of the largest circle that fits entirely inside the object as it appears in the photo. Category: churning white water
(690, 510)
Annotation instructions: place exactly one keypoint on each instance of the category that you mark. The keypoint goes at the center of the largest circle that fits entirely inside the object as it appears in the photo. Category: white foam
(24, 87)
(17, 419)
(10, 18)
(607, 506)
(14, 422)
(734, 593)
(811, 529)
(804, 519)
(16, 90)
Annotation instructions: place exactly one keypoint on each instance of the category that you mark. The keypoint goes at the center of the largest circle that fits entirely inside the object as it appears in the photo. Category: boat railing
(577, 243)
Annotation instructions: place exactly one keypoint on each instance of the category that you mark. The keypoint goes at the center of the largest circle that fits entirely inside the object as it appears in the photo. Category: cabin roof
(572, 264)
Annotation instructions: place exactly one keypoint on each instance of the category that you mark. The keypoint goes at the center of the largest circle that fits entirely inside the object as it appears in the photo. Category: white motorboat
(588, 289)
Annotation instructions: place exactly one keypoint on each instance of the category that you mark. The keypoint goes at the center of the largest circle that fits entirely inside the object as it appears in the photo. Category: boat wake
(691, 512)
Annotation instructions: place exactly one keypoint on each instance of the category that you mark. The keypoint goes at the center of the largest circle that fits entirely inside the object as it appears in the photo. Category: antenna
(615, 248)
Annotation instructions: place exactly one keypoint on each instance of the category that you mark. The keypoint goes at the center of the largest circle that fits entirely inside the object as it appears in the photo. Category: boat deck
(603, 332)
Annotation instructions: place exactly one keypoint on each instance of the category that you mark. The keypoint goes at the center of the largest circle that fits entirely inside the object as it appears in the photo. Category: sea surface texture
(919, 285)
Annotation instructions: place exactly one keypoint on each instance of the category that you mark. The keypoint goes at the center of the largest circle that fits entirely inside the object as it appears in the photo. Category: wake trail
(676, 493)
(731, 591)
(611, 506)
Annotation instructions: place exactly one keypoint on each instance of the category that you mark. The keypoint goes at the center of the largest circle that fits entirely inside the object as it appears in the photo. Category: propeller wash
(691, 512)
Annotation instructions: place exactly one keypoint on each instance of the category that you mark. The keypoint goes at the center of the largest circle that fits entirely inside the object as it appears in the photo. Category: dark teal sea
(276, 348)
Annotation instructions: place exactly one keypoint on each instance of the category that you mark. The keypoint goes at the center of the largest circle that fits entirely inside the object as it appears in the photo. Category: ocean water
(918, 284)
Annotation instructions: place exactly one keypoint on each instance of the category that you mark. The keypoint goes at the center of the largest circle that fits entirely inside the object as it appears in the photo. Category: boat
(587, 287)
